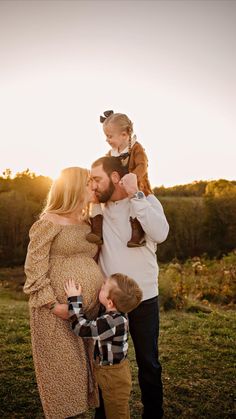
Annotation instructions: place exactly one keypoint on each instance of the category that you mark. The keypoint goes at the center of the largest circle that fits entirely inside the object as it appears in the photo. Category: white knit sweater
(140, 262)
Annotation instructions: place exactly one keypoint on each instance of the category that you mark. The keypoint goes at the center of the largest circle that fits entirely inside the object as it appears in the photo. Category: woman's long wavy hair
(68, 192)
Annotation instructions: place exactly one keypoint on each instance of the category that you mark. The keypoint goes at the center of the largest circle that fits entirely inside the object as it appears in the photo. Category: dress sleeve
(37, 284)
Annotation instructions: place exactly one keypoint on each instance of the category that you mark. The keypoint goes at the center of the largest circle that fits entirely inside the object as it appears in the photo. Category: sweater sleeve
(140, 161)
(150, 214)
(37, 284)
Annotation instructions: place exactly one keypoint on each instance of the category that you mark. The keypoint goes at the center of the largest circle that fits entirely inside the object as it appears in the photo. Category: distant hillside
(201, 215)
(215, 188)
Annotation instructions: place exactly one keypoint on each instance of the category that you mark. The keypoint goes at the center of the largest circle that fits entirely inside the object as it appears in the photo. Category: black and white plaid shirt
(109, 331)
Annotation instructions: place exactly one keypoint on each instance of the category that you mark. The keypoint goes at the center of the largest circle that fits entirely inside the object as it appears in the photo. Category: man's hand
(129, 183)
(71, 290)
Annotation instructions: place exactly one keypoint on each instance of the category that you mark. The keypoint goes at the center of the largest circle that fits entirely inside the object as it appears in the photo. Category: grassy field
(197, 351)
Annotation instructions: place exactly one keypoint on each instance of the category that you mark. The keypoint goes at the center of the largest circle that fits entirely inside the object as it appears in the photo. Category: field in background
(197, 344)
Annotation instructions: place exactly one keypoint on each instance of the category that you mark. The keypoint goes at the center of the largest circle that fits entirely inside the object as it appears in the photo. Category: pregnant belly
(84, 271)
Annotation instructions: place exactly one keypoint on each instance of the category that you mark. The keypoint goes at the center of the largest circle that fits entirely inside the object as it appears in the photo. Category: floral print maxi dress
(63, 361)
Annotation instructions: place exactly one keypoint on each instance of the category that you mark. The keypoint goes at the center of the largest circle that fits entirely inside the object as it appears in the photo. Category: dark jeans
(144, 330)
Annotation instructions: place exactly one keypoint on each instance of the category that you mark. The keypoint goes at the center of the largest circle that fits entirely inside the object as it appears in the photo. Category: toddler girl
(119, 133)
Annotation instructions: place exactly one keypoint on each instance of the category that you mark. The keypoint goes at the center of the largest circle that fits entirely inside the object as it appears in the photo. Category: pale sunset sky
(169, 65)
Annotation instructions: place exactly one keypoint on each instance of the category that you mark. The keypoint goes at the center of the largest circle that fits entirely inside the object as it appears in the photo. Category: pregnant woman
(58, 251)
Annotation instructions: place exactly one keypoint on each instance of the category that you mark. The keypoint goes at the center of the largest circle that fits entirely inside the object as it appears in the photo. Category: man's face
(101, 184)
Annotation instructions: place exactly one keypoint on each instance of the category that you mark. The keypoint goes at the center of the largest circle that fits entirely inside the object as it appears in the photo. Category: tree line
(201, 215)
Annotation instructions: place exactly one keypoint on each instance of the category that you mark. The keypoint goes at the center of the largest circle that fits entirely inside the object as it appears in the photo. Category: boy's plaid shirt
(109, 331)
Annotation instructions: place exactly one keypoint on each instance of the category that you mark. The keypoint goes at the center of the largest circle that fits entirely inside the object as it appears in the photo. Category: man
(119, 192)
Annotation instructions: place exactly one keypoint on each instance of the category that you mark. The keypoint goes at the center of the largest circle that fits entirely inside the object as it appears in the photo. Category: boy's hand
(71, 290)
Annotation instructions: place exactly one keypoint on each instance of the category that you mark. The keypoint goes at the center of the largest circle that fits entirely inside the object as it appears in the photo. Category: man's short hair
(111, 164)
(125, 294)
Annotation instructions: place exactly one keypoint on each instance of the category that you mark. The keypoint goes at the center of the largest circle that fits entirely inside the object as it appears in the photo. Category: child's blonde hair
(125, 294)
(68, 192)
(122, 121)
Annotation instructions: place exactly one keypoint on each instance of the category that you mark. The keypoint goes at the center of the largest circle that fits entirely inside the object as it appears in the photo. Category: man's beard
(106, 195)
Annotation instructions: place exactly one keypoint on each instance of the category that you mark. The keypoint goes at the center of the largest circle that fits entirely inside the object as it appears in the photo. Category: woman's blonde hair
(68, 192)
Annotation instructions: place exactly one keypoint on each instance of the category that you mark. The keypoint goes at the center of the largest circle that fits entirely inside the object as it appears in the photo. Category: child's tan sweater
(138, 164)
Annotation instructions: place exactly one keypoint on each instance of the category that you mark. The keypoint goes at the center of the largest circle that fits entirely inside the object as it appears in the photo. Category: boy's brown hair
(125, 294)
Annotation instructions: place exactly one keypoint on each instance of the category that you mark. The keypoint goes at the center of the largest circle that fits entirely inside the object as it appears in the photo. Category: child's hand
(129, 183)
(71, 289)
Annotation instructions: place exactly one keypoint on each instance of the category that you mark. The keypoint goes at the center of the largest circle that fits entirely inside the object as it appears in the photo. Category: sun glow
(55, 84)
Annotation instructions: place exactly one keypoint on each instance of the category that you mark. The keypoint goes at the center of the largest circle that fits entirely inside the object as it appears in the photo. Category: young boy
(119, 295)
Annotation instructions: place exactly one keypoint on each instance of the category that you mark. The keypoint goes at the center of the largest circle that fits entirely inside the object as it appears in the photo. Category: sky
(169, 65)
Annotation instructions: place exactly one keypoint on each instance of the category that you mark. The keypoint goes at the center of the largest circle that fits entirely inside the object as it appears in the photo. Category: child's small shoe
(138, 234)
(95, 235)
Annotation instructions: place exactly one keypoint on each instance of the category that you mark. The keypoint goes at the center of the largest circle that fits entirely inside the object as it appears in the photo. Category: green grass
(197, 352)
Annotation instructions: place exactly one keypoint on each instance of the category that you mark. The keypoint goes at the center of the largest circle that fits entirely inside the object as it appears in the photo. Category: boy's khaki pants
(115, 383)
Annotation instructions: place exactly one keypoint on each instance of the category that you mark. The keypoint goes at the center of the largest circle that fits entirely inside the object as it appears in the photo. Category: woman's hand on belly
(61, 310)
